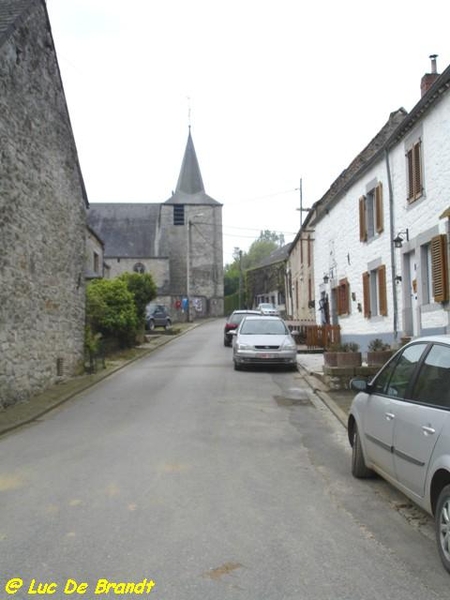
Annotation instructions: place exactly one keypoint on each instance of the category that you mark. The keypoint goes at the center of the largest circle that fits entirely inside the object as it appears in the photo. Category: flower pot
(330, 359)
(377, 358)
(349, 359)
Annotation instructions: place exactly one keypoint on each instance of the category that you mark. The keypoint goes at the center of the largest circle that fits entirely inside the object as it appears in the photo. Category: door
(419, 422)
(389, 389)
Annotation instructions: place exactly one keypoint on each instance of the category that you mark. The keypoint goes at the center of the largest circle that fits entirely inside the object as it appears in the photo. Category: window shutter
(415, 178)
(439, 268)
(379, 208)
(362, 219)
(343, 297)
(366, 294)
(417, 170)
(409, 159)
(382, 290)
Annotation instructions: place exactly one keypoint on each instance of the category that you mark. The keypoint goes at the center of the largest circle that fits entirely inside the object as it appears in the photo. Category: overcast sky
(274, 91)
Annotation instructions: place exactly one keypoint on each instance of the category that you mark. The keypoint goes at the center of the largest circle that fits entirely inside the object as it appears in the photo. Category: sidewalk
(310, 366)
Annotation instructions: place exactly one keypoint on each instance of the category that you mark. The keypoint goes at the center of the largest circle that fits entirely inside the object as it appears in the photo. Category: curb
(322, 394)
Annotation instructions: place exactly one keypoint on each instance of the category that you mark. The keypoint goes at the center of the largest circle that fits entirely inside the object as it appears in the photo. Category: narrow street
(213, 484)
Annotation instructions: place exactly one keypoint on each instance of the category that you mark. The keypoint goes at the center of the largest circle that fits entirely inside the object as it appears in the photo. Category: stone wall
(42, 218)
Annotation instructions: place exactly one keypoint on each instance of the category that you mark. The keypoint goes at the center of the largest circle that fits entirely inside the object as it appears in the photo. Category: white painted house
(397, 188)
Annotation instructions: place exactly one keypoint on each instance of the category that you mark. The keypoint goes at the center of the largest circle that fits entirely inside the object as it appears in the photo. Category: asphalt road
(213, 484)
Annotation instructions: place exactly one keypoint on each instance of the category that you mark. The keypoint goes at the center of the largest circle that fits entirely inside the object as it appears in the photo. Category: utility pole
(240, 278)
(301, 209)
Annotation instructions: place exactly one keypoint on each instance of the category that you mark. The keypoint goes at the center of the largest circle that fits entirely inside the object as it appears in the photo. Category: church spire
(190, 180)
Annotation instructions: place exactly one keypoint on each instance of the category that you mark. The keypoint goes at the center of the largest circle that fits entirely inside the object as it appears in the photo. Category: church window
(178, 214)
(139, 268)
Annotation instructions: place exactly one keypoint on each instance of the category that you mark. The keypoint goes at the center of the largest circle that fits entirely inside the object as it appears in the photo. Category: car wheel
(237, 366)
(151, 325)
(442, 525)
(359, 469)
(168, 324)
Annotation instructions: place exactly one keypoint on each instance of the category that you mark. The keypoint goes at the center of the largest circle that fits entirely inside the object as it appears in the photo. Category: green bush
(111, 310)
(143, 289)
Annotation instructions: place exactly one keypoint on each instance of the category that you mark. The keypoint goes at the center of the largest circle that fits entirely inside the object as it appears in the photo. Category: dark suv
(156, 315)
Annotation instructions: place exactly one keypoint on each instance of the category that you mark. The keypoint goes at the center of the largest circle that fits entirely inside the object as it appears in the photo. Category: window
(178, 214)
(433, 382)
(414, 167)
(343, 297)
(395, 377)
(96, 262)
(371, 213)
(427, 280)
(374, 292)
(139, 268)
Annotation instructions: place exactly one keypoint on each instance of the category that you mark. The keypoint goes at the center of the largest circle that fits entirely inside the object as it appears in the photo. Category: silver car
(266, 308)
(261, 340)
(399, 427)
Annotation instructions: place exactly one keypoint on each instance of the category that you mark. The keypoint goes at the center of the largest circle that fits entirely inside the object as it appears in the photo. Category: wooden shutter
(415, 179)
(366, 294)
(382, 295)
(409, 160)
(439, 268)
(379, 216)
(343, 297)
(362, 219)
(417, 170)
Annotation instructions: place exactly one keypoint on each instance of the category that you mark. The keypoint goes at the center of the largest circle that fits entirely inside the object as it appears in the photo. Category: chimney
(429, 78)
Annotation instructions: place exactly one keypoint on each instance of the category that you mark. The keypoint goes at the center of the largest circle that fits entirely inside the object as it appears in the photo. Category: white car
(261, 340)
(399, 427)
(265, 308)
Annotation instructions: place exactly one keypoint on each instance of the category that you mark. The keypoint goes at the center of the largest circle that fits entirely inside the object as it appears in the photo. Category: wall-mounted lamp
(326, 279)
(397, 278)
(398, 241)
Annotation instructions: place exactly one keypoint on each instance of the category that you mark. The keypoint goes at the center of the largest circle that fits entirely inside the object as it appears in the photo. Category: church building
(179, 242)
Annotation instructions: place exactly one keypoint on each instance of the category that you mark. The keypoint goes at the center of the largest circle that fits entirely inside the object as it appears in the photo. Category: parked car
(156, 315)
(399, 427)
(232, 323)
(263, 340)
(266, 308)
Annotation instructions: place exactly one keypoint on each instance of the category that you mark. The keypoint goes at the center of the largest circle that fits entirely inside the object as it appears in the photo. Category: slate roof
(12, 13)
(277, 256)
(190, 188)
(127, 230)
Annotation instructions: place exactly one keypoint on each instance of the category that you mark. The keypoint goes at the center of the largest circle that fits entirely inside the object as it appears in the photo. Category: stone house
(179, 242)
(267, 281)
(385, 274)
(42, 211)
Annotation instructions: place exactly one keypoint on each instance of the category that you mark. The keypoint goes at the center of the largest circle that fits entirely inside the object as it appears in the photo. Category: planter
(378, 357)
(330, 359)
(349, 359)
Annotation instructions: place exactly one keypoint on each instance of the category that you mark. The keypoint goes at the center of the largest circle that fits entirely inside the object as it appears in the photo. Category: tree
(267, 242)
(111, 311)
(143, 288)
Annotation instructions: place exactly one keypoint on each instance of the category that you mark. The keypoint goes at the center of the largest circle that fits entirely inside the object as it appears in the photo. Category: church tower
(192, 225)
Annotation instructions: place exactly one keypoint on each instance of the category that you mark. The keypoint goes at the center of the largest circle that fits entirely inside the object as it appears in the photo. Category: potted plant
(349, 355)
(378, 352)
(330, 355)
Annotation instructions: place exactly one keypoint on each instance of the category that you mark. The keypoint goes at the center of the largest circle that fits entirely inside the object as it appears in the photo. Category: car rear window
(263, 327)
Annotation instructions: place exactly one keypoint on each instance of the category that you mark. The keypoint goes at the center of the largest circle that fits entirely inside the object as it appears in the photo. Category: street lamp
(188, 264)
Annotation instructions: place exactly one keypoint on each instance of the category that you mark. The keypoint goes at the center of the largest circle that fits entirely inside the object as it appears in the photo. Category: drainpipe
(391, 237)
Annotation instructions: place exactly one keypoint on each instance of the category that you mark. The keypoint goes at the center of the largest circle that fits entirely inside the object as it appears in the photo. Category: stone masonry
(42, 214)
